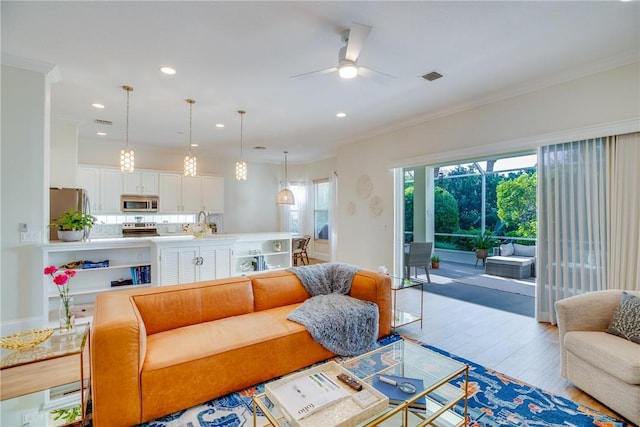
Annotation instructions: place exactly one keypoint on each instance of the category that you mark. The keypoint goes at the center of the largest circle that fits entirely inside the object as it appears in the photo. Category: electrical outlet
(30, 236)
(34, 419)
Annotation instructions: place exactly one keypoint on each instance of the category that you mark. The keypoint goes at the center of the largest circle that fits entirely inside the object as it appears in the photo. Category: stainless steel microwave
(136, 203)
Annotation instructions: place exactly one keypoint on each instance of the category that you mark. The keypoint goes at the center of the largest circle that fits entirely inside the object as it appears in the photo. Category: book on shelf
(141, 274)
(397, 396)
(306, 394)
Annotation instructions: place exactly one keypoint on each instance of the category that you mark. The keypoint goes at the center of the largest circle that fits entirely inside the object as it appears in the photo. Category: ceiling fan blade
(373, 74)
(315, 73)
(358, 33)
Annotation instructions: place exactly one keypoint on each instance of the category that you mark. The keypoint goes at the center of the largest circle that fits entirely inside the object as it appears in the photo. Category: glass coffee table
(431, 406)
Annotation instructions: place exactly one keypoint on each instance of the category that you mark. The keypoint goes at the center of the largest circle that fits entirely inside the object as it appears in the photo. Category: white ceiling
(240, 55)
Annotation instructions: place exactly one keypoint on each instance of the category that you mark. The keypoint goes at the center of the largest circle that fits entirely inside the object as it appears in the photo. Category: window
(322, 199)
(297, 189)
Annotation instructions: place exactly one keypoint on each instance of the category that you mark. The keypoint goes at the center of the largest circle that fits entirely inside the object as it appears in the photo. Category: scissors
(404, 386)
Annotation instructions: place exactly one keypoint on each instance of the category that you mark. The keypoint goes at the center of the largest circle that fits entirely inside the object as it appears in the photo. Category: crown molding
(52, 71)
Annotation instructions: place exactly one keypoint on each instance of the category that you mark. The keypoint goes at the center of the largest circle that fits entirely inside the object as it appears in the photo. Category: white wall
(602, 104)
(64, 154)
(25, 180)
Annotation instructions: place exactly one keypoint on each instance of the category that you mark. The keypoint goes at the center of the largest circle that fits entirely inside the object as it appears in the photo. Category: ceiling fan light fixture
(347, 69)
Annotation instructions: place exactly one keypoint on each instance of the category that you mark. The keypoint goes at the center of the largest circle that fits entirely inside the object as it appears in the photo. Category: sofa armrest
(374, 287)
(118, 347)
(585, 312)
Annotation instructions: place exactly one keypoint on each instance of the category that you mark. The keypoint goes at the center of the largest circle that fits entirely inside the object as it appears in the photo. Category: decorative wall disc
(364, 186)
(375, 206)
(351, 208)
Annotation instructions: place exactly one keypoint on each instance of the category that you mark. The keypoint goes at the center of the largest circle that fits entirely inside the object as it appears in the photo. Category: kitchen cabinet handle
(201, 261)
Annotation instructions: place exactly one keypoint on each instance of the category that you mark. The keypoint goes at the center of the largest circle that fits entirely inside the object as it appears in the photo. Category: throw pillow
(506, 249)
(626, 321)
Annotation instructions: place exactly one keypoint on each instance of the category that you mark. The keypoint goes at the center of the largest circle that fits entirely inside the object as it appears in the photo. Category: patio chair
(300, 251)
(418, 256)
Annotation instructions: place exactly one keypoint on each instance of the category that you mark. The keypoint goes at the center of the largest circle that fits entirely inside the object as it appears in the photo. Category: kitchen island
(117, 263)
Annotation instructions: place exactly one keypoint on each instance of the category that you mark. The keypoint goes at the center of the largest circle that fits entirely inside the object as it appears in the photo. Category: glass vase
(66, 314)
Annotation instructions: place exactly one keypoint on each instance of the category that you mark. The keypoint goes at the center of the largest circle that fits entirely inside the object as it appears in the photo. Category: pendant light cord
(241, 112)
(128, 89)
(190, 102)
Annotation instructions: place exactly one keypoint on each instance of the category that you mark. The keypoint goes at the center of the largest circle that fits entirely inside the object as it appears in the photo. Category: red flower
(60, 279)
(50, 270)
(70, 273)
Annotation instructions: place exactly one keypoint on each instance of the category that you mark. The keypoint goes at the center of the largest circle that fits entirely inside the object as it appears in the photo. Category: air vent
(434, 75)
(103, 122)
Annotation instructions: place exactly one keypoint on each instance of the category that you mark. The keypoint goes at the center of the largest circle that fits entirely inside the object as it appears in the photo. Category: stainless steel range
(139, 229)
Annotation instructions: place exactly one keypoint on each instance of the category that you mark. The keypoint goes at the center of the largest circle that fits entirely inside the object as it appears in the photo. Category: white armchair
(601, 364)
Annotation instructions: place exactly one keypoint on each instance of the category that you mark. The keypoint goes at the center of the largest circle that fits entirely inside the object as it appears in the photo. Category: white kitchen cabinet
(104, 187)
(190, 194)
(126, 258)
(141, 182)
(170, 192)
(212, 194)
(193, 263)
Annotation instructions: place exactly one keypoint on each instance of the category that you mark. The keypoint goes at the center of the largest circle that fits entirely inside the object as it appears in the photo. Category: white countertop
(148, 240)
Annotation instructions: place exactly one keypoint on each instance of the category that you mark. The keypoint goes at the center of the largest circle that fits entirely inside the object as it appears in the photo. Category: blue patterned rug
(495, 400)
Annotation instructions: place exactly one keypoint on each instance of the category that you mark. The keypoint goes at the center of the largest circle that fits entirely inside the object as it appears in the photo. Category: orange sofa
(155, 351)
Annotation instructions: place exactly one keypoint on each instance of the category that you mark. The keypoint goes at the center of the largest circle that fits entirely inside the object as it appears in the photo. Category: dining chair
(418, 256)
(300, 250)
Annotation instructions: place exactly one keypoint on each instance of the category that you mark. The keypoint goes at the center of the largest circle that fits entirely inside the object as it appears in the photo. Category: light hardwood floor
(509, 343)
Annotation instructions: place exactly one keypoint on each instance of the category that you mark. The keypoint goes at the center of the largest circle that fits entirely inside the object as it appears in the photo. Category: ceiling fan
(348, 67)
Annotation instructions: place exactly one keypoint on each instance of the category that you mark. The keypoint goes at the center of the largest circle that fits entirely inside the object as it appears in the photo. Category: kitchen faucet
(205, 218)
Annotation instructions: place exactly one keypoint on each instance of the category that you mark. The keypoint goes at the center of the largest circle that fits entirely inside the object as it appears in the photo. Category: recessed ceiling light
(101, 133)
(219, 125)
(168, 70)
(96, 105)
(194, 145)
(341, 115)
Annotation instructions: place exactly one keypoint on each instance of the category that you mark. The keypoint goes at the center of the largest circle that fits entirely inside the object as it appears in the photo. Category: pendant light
(190, 162)
(241, 165)
(285, 196)
(127, 159)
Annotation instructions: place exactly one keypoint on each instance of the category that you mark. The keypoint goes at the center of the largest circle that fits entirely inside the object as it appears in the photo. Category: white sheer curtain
(624, 199)
(588, 219)
(572, 218)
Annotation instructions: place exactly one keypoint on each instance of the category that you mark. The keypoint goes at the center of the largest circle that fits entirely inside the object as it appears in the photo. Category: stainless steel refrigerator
(63, 199)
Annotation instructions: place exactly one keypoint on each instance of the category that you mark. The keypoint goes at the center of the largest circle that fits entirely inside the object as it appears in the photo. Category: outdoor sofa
(515, 261)
(159, 350)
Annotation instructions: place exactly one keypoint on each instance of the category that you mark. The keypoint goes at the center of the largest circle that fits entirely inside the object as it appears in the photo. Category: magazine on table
(395, 395)
(302, 396)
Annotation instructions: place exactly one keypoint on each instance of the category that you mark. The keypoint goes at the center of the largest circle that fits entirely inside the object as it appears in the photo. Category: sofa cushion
(626, 320)
(277, 288)
(616, 356)
(183, 305)
(524, 250)
(507, 249)
(510, 260)
(200, 362)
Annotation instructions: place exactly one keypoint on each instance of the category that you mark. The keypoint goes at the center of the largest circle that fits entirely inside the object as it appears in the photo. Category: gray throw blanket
(343, 325)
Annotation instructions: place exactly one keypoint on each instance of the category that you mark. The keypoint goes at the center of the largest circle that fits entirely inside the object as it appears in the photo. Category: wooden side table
(62, 359)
